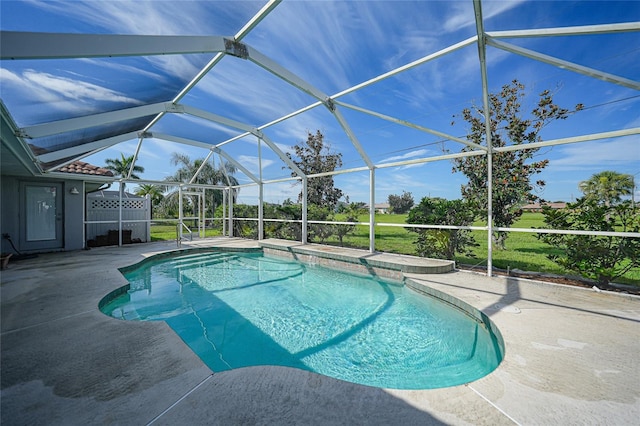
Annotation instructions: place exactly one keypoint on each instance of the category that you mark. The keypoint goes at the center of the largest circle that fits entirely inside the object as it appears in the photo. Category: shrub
(443, 243)
(603, 258)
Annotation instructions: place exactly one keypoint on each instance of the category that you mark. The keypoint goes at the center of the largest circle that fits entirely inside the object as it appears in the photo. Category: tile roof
(80, 167)
(77, 167)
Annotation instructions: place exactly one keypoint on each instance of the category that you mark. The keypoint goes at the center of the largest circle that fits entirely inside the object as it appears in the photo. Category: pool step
(207, 261)
(200, 258)
(332, 255)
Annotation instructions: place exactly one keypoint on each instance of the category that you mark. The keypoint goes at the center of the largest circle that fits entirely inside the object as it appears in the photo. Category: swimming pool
(238, 309)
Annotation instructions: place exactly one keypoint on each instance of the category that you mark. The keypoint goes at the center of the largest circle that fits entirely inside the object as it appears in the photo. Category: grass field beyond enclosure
(523, 250)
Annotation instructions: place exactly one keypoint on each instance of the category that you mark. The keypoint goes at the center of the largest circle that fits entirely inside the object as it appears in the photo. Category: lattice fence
(103, 206)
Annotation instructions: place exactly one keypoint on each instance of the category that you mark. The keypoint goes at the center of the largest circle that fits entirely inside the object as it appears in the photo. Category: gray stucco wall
(73, 213)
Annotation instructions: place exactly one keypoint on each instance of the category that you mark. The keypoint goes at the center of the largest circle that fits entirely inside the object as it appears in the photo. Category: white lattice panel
(107, 209)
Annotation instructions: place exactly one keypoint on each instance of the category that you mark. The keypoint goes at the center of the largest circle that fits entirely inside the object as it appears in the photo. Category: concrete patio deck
(572, 357)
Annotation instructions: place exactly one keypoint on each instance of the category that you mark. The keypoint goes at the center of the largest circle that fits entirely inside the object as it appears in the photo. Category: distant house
(382, 208)
(537, 207)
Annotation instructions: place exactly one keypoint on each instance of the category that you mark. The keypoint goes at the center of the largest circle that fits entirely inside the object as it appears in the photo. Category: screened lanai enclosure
(238, 84)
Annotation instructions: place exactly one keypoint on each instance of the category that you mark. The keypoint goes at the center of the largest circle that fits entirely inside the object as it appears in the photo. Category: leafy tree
(290, 229)
(154, 191)
(312, 157)
(245, 228)
(442, 243)
(512, 170)
(603, 258)
(121, 166)
(607, 187)
(319, 232)
(352, 212)
(401, 204)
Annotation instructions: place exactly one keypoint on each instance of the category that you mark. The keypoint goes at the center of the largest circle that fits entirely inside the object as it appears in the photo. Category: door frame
(50, 244)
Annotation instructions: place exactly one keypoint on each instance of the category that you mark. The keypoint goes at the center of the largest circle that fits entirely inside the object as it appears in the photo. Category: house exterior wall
(10, 222)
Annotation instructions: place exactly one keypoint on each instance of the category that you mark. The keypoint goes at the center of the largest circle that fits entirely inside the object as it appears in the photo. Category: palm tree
(154, 191)
(121, 167)
(209, 174)
(607, 187)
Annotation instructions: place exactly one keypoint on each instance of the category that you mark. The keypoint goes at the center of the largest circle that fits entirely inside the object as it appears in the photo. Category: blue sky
(334, 46)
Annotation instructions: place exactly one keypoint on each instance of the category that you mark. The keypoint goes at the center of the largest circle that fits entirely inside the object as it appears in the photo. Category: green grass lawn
(165, 231)
(523, 250)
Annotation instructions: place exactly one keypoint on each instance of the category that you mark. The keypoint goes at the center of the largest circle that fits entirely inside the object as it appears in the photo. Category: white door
(41, 218)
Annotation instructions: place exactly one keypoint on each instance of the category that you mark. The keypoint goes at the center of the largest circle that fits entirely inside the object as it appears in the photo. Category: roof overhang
(16, 157)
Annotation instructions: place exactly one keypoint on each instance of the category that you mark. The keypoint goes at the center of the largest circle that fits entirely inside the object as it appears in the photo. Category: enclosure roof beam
(135, 156)
(231, 123)
(568, 31)
(482, 57)
(411, 125)
(340, 172)
(560, 63)
(281, 72)
(431, 159)
(282, 156)
(322, 99)
(408, 66)
(400, 163)
(354, 140)
(263, 61)
(84, 148)
(178, 139)
(33, 45)
(15, 144)
(204, 163)
(196, 112)
(237, 164)
(287, 179)
(574, 139)
(78, 123)
(272, 123)
(168, 183)
(81, 177)
(205, 145)
(251, 24)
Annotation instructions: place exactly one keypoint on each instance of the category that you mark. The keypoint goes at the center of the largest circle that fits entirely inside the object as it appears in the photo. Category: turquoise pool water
(243, 309)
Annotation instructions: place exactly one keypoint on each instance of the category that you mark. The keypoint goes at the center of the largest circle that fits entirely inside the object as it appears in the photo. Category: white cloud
(252, 163)
(463, 15)
(62, 93)
(250, 89)
(120, 69)
(587, 155)
(155, 17)
(210, 125)
(633, 123)
(290, 29)
(158, 148)
(273, 193)
(74, 90)
(158, 18)
(419, 153)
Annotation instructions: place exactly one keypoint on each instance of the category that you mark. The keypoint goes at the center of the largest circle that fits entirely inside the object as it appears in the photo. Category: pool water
(243, 309)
